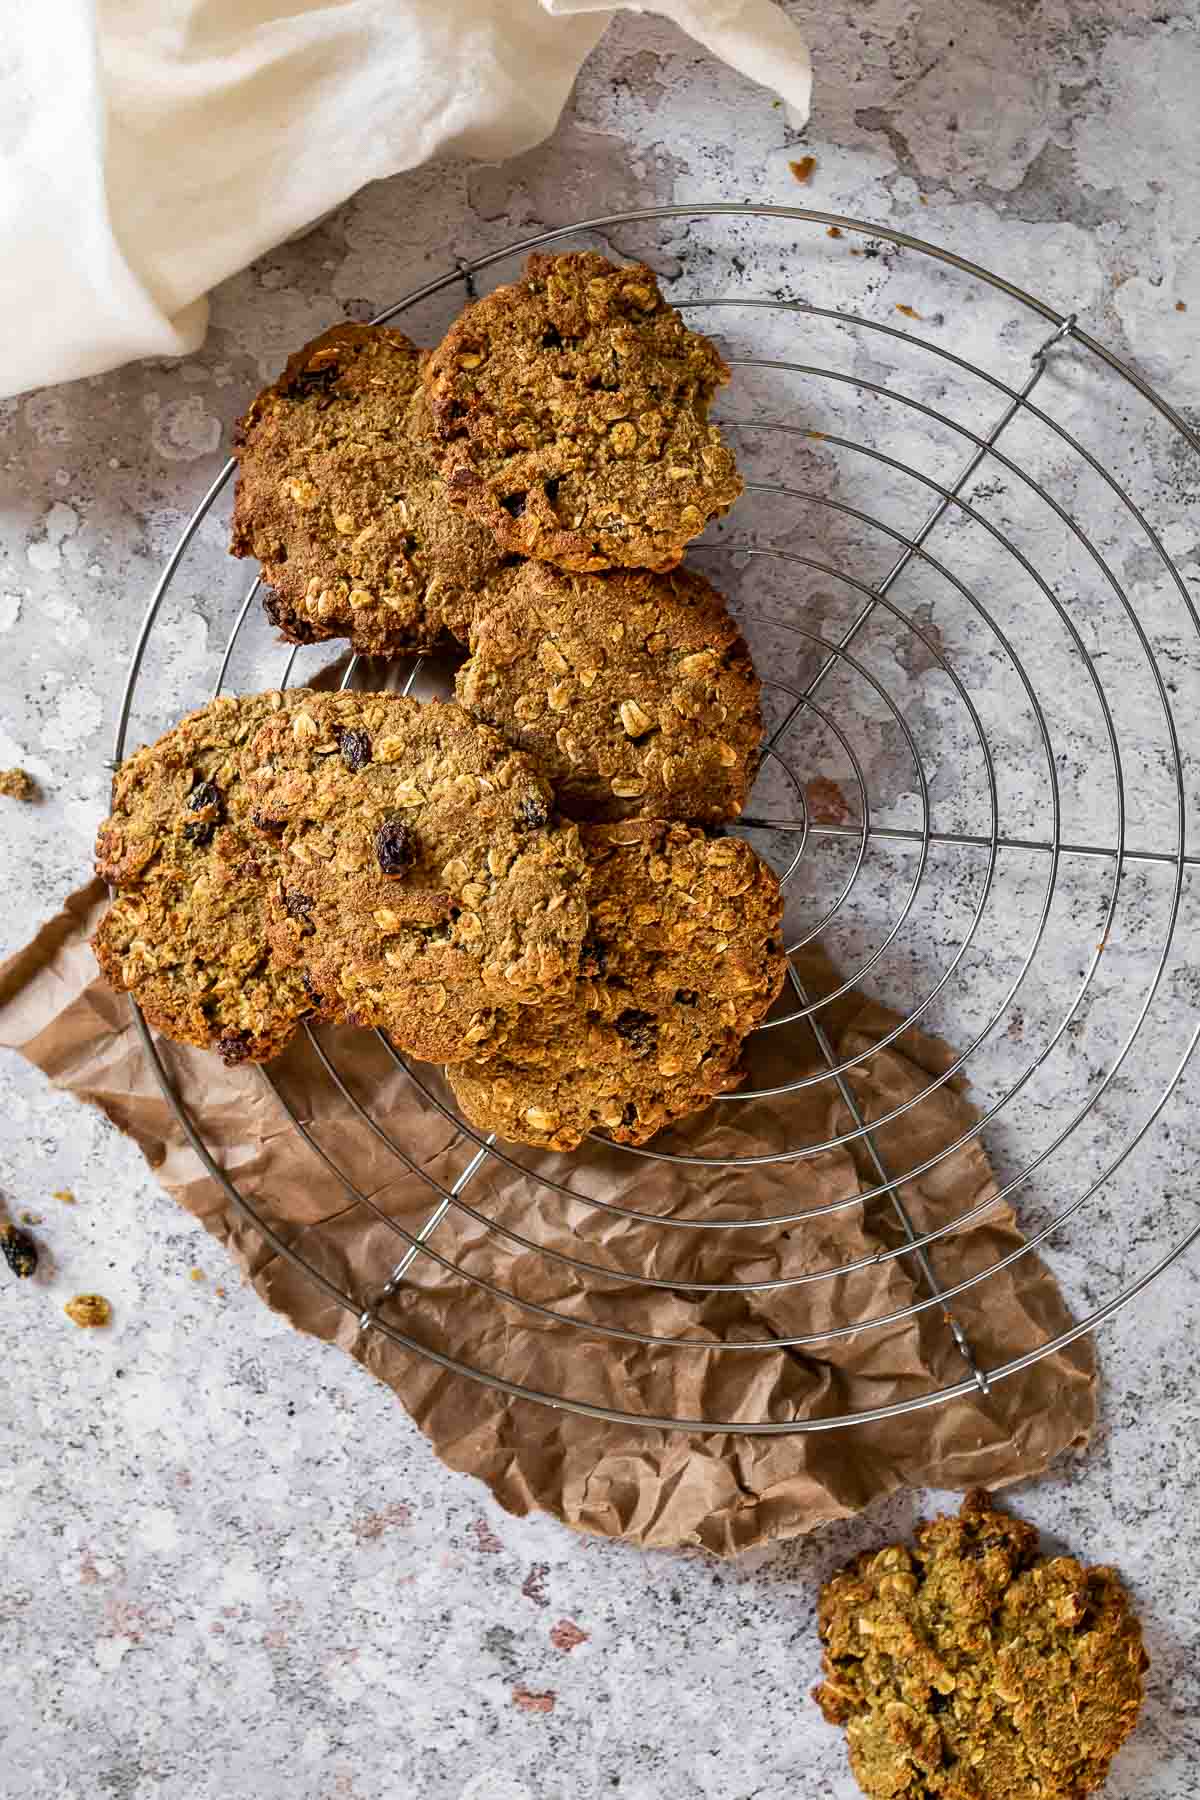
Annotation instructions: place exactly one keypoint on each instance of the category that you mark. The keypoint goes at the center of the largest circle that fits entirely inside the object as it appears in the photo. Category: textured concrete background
(231, 1565)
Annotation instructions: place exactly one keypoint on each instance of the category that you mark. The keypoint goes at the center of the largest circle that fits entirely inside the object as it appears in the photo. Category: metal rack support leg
(367, 1316)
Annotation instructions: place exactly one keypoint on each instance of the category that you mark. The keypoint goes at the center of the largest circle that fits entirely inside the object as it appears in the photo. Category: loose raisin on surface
(264, 822)
(233, 1048)
(395, 845)
(514, 504)
(533, 814)
(355, 747)
(200, 833)
(20, 1251)
(297, 905)
(639, 1030)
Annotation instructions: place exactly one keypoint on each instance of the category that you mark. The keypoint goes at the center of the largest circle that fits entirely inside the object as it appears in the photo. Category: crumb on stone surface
(803, 169)
(910, 312)
(89, 1310)
(65, 1195)
(17, 784)
(833, 231)
(197, 1274)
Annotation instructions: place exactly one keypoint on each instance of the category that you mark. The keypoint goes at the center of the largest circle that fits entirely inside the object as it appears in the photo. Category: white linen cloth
(150, 148)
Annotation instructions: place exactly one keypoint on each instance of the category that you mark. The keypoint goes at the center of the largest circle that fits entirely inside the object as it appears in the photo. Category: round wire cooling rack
(982, 669)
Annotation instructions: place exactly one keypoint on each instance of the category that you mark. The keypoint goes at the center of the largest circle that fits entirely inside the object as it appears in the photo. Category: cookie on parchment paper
(426, 880)
(683, 959)
(188, 934)
(572, 407)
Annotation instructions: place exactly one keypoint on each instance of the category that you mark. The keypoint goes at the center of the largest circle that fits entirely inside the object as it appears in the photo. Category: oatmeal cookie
(972, 1668)
(681, 962)
(188, 933)
(573, 407)
(340, 499)
(426, 881)
(635, 692)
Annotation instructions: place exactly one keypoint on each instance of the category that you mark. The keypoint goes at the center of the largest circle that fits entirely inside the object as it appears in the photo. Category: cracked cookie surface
(340, 499)
(188, 934)
(635, 692)
(426, 882)
(972, 1668)
(573, 411)
(682, 960)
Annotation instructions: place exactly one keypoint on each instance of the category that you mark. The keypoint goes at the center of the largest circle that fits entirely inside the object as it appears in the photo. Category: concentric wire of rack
(982, 665)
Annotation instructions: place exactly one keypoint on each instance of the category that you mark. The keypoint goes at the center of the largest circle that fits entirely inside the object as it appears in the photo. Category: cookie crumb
(65, 1195)
(803, 170)
(833, 231)
(197, 1274)
(31, 1218)
(219, 1292)
(910, 312)
(89, 1310)
(1181, 306)
(17, 784)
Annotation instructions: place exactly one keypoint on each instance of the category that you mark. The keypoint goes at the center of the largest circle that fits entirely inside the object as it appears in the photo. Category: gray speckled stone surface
(231, 1565)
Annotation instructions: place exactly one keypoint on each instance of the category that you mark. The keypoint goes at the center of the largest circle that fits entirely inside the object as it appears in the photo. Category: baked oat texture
(427, 883)
(973, 1668)
(573, 408)
(635, 692)
(188, 933)
(682, 960)
(17, 784)
(340, 499)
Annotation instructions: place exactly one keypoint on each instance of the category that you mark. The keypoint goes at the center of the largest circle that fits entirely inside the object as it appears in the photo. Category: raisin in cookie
(972, 1668)
(426, 882)
(573, 407)
(681, 962)
(635, 692)
(340, 499)
(188, 935)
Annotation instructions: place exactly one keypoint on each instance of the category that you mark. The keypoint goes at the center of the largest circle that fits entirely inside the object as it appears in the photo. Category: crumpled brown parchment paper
(726, 1490)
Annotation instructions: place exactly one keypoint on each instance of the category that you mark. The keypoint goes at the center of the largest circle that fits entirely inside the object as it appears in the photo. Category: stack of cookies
(528, 884)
